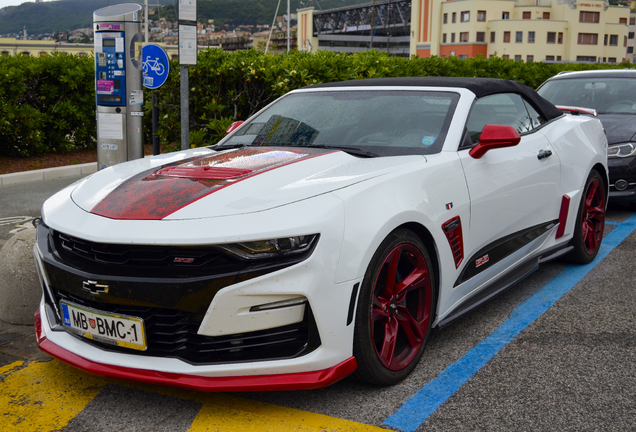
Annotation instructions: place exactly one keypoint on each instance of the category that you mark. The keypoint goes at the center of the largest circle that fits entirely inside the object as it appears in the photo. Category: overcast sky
(4, 3)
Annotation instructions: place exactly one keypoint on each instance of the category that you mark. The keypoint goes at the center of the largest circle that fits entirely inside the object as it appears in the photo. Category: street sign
(156, 66)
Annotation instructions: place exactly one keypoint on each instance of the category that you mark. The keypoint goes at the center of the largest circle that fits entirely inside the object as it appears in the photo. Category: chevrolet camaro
(325, 236)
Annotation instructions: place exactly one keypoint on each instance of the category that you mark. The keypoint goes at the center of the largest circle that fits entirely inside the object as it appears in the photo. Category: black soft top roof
(480, 86)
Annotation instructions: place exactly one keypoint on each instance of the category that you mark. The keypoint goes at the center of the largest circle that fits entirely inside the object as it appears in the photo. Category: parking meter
(118, 84)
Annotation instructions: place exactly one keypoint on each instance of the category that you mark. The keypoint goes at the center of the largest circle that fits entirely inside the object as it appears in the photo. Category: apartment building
(529, 30)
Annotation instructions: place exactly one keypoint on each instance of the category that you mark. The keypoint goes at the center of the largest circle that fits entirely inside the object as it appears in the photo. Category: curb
(48, 173)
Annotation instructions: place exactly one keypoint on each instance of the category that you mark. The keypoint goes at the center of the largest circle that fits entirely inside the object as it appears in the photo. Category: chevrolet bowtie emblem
(95, 287)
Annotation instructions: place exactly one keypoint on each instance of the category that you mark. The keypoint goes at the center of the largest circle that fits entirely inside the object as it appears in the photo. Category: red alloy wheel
(401, 307)
(593, 216)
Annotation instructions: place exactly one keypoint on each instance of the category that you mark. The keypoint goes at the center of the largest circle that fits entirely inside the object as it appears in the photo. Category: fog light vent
(621, 185)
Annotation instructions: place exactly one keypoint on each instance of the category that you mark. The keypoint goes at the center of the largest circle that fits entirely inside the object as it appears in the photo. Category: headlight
(280, 247)
(621, 150)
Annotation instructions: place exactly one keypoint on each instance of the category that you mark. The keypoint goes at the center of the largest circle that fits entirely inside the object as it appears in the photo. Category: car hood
(619, 127)
(224, 183)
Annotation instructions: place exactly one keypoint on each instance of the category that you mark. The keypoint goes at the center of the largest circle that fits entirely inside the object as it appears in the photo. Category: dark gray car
(612, 93)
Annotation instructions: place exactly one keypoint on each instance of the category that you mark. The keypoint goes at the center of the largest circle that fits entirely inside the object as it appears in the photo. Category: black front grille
(173, 333)
(149, 261)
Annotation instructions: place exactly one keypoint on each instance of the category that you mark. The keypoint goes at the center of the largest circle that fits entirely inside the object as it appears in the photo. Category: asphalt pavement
(571, 368)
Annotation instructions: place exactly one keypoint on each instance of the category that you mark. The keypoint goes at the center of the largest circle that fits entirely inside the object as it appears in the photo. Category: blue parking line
(425, 402)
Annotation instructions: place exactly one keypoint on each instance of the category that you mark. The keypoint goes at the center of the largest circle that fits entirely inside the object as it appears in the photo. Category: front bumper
(622, 169)
(275, 382)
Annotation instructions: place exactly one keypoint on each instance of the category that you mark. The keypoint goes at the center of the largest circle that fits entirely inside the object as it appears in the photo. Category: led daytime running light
(621, 150)
(279, 304)
(262, 249)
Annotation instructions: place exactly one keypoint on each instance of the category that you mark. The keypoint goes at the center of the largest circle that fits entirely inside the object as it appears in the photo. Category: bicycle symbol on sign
(155, 65)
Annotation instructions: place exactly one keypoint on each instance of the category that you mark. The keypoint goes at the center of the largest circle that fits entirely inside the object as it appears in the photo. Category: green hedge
(48, 103)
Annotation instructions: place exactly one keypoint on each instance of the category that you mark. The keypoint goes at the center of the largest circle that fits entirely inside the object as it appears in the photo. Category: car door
(514, 191)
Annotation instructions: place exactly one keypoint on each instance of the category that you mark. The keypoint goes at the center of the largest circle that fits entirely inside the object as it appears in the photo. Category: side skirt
(504, 283)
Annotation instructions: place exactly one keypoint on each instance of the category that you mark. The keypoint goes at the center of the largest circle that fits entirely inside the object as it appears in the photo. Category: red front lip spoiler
(293, 381)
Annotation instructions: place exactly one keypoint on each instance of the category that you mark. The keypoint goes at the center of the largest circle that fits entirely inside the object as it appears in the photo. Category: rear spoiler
(577, 110)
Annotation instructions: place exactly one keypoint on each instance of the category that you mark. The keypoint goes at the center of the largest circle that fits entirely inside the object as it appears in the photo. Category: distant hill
(65, 15)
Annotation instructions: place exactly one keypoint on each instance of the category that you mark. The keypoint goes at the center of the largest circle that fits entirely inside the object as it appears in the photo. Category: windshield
(380, 122)
(605, 95)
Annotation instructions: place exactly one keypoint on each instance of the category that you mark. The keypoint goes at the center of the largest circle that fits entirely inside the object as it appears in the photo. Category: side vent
(453, 230)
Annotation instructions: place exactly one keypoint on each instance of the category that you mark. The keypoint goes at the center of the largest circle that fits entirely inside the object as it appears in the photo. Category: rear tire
(395, 310)
(590, 221)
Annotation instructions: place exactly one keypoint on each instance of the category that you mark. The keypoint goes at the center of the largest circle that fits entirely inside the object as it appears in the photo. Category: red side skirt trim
(293, 381)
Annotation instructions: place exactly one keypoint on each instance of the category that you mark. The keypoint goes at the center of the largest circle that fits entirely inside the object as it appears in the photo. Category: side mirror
(495, 136)
(233, 126)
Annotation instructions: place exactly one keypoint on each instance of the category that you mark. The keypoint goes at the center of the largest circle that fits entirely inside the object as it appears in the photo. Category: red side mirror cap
(495, 136)
(233, 126)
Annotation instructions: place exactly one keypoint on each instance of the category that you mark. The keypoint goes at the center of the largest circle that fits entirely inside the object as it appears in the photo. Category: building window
(611, 59)
(464, 16)
(506, 56)
(586, 58)
(560, 38)
(527, 15)
(613, 40)
(530, 59)
(624, 41)
(481, 16)
(519, 37)
(454, 17)
(463, 37)
(492, 37)
(517, 58)
(546, 15)
(549, 58)
(530, 37)
(630, 50)
(622, 20)
(452, 53)
(463, 56)
(558, 58)
(605, 40)
(506, 37)
(630, 35)
(452, 37)
(551, 37)
(632, 21)
(444, 38)
(589, 17)
(481, 37)
(505, 15)
(588, 39)
(445, 18)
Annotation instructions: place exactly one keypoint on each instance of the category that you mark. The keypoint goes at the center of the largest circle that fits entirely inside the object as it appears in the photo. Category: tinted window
(504, 109)
(384, 122)
(605, 95)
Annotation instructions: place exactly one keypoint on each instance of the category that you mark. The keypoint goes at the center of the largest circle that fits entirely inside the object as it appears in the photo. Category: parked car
(327, 235)
(612, 94)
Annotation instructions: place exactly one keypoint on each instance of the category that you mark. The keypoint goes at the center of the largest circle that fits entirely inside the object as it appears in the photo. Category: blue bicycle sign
(156, 66)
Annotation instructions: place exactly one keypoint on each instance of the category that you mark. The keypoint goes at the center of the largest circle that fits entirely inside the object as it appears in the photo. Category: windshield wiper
(228, 146)
(351, 150)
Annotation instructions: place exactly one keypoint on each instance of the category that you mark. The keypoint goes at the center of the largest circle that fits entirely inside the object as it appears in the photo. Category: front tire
(394, 313)
(590, 221)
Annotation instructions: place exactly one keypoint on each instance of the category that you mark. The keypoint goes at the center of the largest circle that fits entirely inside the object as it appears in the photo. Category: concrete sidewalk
(48, 173)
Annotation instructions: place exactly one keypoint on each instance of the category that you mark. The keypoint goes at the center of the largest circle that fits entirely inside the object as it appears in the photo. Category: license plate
(121, 330)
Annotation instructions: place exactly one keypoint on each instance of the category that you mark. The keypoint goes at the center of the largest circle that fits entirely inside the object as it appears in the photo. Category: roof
(479, 86)
(605, 73)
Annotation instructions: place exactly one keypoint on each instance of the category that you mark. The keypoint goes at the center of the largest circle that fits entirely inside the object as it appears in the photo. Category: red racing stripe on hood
(159, 192)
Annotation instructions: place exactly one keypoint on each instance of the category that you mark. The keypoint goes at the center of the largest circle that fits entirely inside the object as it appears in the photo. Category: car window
(384, 122)
(605, 95)
(504, 109)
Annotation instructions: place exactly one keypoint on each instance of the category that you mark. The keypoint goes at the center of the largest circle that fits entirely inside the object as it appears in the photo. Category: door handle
(544, 154)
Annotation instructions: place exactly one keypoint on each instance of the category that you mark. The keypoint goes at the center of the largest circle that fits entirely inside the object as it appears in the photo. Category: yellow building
(530, 30)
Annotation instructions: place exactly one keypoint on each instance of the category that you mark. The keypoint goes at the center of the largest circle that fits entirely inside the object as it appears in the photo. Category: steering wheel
(622, 103)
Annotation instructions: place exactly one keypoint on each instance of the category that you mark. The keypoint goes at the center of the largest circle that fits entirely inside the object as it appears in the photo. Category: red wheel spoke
(413, 281)
(378, 314)
(392, 262)
(412, 329)
(591, 193)
(596, 213)
(388, 344)
(590, 237)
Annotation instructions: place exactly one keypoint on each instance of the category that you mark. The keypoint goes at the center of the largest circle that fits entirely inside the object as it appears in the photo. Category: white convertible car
(325, 236)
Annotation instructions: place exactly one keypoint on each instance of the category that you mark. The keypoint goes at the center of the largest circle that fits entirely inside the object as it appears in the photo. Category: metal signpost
(156, 67)
(187, 57)
(119, 93)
